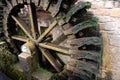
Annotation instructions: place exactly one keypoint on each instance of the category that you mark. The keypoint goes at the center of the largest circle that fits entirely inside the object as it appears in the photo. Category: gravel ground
(4, 77)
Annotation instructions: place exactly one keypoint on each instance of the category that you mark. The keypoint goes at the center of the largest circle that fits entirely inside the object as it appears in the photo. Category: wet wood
(47, 31)
(51, 59)
(86, 24)
(84, 41)
(9, 5)
(44, 4)
(88, 55)
(14, 2)
(19, 38)
(84, 65)
(76, 8)
(33, 20)
(23, 26)
(78, 72)
(57, 8)
(36, 2)
(54, 47)
(20, 1)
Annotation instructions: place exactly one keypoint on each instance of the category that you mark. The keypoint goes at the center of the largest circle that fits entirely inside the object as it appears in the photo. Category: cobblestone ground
(108, 13)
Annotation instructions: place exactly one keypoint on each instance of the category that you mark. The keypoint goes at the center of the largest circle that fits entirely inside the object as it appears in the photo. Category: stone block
(117, 4)
(108, 26)
(115, 61)
(104, 18)
(27, 63)
(97, 5)
(114, 40)
(103, 12)
(115, 12)
(109, 4)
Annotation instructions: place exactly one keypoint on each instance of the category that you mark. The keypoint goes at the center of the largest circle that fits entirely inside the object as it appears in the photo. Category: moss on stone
(7, 61)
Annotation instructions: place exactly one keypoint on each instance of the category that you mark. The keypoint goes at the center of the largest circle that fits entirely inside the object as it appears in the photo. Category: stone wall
(108, 13)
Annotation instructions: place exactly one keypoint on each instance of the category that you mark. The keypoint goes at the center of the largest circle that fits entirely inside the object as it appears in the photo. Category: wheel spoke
(55, 47)
(47, 31)
(23, 26)
(51, 59)
(19, 38)
(33, 19)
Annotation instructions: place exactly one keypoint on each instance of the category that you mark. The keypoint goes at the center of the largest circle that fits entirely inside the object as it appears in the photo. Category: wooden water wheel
(59, 29)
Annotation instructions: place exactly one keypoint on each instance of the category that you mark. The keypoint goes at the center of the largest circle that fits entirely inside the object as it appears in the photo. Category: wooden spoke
(33, 19)
(19, 38)
(47, 31)
(23, 26)
(55, 47)
(51, 59)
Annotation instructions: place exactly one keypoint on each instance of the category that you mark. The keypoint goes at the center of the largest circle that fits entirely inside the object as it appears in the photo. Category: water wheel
(69, 41)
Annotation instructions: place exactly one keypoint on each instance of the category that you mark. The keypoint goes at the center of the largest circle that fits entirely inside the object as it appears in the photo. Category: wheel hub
(28, 47)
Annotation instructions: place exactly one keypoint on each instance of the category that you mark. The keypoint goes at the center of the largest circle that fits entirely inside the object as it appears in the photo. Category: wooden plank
(55, 48)
(47, 31)
(19, 38)
(51, 59)
(84, 41)
(88, 55)
(23, 26)
(14, 2)
(57, 8)
(33, 20)
(86, 24)
(76, 8)
(36, 2)
(84, 65)
(9, 5)
(20, 1)
(78, 72)
(44, 4)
